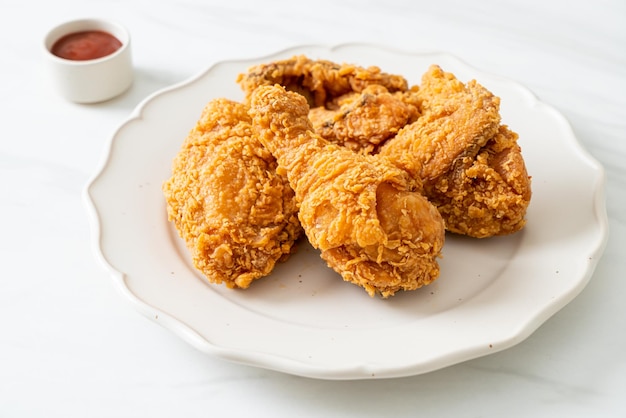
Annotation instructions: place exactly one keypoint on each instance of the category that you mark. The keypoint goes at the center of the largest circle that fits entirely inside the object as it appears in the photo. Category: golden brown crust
(242, 188)
(362, 121)
(320, 81)
(366, 216)
(457, 148)
(490, 195)
(236, 215)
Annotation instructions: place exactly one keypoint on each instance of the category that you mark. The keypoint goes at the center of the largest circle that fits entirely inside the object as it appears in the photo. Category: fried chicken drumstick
(367, 217)
(237, 216)
(470, 165)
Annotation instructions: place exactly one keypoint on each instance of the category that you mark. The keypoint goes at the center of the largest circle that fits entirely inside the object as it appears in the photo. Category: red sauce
(88, 45)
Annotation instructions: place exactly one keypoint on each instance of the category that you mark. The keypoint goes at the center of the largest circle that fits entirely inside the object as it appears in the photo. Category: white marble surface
(70, 346)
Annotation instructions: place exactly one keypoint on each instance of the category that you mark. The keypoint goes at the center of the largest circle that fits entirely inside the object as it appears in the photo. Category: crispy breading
(320, 81)
(470, 165)
(372, 171)
(367, 217)
(237, 216)
(363, 120)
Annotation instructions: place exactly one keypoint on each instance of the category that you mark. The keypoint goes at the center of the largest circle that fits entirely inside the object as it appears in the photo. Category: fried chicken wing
(367, 217)
(363, 120)
(471, 166)
(320, 81)
(237, 216)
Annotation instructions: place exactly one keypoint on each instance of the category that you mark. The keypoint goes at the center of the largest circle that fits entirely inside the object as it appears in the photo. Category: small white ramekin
(95, 80)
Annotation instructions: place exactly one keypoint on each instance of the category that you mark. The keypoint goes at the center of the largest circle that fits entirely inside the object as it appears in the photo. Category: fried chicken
(363, 120)
(237, 216)
(471, 165)
(320, 81)
(367, 217)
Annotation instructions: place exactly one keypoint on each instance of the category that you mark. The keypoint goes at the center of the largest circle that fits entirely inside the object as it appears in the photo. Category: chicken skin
(363, 120)
(367, 217)
(320, 81)
(237, 216)
(470, 165)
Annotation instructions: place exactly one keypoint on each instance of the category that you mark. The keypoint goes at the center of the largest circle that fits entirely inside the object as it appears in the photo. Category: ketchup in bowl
(86, 45)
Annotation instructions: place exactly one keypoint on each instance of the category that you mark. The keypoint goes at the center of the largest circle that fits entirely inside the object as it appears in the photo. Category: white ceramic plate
(303, 319)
